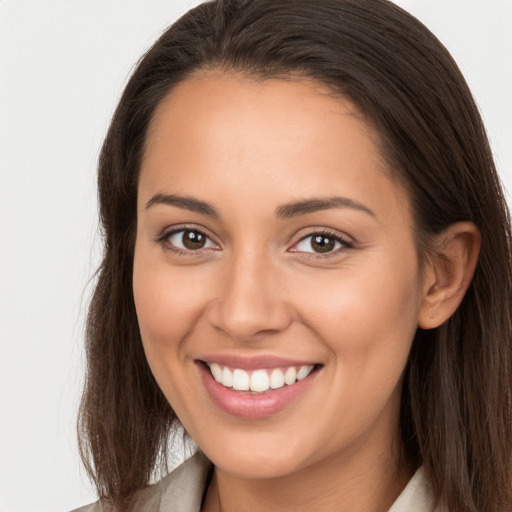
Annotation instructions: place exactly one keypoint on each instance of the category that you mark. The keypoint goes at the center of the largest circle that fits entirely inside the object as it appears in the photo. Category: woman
(307, 264)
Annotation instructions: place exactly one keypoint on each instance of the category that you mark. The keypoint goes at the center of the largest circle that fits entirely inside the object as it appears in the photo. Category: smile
(259, 380)
(257, 388)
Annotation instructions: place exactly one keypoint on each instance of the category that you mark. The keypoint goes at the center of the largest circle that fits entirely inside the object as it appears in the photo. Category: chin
(257, 468)
(257, 460)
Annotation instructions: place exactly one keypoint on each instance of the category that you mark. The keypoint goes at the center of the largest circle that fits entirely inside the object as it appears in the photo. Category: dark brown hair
(456, 415)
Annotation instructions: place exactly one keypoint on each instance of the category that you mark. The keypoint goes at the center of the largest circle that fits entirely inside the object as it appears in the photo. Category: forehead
(275, 138)
(237, 105)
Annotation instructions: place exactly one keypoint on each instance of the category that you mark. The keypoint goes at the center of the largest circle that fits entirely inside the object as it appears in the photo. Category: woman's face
(273, 245)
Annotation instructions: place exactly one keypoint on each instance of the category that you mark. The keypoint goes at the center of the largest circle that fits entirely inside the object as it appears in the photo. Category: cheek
(376, 290)
(368, 321)
(167, 306)
(168, 309)
(163, 301)
(367, 315)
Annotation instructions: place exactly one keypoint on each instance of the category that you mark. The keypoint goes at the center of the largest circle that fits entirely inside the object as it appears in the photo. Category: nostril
(245, 320)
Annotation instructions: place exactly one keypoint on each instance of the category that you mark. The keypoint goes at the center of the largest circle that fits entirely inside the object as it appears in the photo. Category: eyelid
(345, 242)
(163, 238)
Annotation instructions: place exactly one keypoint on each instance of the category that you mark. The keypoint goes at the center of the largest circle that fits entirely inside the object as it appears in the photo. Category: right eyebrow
(312, 205)
(186, 203)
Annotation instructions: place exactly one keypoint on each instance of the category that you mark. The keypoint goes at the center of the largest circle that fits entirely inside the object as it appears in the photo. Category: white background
(63, 64)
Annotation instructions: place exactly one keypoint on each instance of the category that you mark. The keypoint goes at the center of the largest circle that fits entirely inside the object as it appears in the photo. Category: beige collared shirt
(183, 490)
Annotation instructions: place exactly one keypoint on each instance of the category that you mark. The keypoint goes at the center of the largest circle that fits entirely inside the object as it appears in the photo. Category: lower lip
(243, 404)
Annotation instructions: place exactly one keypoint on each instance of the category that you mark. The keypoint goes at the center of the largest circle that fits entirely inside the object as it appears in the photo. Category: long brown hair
(456, 415)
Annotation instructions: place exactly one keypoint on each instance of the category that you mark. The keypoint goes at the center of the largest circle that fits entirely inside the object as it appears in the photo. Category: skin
(259, 288)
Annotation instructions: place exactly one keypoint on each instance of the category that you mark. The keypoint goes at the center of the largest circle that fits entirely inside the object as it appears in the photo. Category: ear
(449, 273)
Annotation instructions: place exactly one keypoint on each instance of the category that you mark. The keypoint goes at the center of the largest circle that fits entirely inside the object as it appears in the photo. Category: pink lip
(254, 362)
(246, 405)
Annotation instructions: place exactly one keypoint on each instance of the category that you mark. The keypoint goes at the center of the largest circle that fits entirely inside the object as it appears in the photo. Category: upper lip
(253, 362)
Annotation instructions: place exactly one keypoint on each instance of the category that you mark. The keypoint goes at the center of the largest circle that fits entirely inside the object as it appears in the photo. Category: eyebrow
(285, 211)
(295, 209)
(186, 203)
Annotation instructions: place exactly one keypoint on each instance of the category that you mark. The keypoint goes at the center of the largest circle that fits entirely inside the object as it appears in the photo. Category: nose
(250, 300)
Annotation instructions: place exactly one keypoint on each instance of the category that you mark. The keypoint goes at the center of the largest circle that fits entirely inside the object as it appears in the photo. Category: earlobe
(449, 274)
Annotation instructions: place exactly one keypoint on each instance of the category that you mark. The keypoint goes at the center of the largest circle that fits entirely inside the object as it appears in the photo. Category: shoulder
(182, 489)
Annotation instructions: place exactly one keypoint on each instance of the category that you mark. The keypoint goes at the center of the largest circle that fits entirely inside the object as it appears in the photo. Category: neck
(356, 484)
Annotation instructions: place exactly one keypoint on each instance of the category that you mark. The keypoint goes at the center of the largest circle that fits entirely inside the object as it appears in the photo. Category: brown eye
(322, 243)
(190, 240)
(193, 240)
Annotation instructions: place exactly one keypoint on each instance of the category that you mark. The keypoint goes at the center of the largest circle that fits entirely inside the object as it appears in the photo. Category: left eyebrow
(186, 203)
(312, 205)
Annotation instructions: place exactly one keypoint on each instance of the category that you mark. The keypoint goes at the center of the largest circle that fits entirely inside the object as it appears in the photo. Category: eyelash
(344, 244)
(164, 240)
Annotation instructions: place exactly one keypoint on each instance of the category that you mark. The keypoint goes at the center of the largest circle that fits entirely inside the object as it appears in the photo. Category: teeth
(227, 378)
(276, 379)
(304, 371)
(240, 380)
(258, 381)
(216, 372)
(290, 376)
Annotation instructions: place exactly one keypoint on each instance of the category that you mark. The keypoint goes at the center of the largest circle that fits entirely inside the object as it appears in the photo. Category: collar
(184, 489)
